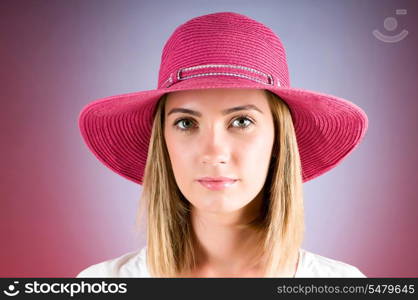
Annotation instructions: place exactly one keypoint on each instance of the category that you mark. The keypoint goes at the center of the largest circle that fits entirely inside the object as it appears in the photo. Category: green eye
(187, 123)
(242, 122)
(183, 124)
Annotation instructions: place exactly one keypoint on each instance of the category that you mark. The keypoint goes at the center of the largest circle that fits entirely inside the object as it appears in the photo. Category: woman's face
(216, 133)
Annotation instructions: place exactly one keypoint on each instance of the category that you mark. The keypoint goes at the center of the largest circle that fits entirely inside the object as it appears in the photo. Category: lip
(219, 178)
(216, 183)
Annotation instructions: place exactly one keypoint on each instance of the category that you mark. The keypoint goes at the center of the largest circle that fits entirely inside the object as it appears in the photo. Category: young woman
(222, 148)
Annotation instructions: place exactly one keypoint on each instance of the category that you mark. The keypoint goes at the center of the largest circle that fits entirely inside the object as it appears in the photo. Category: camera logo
(390, 24)
(11, 289)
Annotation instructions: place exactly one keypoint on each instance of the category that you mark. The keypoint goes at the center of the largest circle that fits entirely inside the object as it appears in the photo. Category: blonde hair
(170, 240)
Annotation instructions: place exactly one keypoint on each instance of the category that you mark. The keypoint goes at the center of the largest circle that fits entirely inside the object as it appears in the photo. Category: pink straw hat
(222, 50)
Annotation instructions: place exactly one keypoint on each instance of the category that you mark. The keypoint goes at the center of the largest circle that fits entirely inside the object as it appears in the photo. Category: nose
(215, 147)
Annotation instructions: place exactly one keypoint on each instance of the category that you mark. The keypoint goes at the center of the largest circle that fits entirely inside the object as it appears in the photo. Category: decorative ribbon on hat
(220, 69)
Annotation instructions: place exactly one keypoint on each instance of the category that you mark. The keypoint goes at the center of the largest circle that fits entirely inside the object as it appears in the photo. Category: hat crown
(227, 40)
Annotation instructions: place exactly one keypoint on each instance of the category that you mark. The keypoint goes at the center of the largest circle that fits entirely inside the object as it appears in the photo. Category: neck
(225, 244)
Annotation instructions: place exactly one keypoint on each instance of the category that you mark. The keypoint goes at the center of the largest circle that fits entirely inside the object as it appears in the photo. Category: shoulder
(132, 264)
(314, 265)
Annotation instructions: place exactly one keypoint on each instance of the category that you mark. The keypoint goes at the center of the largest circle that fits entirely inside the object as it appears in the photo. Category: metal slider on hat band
(220, 69)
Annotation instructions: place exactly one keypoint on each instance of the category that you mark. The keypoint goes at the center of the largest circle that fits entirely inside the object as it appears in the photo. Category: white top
(133, 264)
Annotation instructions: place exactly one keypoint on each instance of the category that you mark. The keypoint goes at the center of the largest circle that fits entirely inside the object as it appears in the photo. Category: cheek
(180, 157)
(255, 155)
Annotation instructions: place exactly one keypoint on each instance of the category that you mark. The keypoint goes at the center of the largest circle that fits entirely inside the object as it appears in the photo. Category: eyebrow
(224, 112)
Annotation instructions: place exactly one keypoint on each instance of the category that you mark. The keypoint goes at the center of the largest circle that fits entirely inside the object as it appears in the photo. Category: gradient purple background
(62, 210)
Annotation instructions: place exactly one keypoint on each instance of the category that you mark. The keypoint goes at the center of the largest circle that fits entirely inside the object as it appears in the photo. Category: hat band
(220, 69)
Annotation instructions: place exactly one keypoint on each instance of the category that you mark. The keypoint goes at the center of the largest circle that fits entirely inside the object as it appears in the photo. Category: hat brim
(117, 129)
